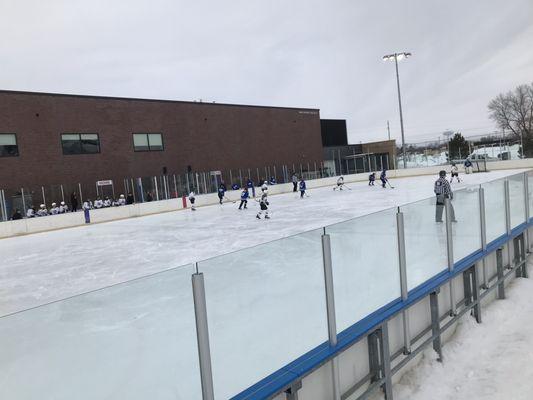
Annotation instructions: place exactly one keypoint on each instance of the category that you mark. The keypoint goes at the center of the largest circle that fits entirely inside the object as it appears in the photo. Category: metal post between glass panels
(81, 193)
(330, 310)
(483, 227)
(526, 202)
(507, 220)
(202, 336)
(403, 279)
(44, 198)
(62, 193)
(449, 251)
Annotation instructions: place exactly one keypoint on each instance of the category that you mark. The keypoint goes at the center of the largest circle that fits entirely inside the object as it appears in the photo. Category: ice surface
(45, 267)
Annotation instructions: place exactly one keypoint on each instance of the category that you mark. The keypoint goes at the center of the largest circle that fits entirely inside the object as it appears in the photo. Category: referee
(443, 191)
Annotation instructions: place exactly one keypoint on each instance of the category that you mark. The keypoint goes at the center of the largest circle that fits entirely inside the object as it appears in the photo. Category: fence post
(499, 270)
(403, 280)
(156, 191)
(330, 309)
(526, 201)
(483, 226)
(507, 219)
(23, 202)
(202, 336)
(435, 323)
(449, 250)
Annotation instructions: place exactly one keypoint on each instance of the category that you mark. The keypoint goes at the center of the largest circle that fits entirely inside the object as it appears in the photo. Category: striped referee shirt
(442, 186)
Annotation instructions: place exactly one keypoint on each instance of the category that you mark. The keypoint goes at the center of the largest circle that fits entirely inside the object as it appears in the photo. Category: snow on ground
(44, 267)
(488, 361)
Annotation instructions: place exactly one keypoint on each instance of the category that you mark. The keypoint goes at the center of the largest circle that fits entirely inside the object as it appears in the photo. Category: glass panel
(266, 307)
(8, 139)
(71, 144)
(494, 209)
(140, 141)
(90, 143)
(364, 279)
(156, 141)
(425, 242)
(516, 197)
(466, 232)
(132, 341)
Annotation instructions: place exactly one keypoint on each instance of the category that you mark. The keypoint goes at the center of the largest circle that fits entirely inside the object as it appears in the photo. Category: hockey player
(54, 210)
(63, 208)
(192, 199)
(264, 187)
(468, 166)
(371, 179)
(87, 205)
(244, 198)
(43, 212)
(107, 202)
(303, 187)
(263, 204)
(221, 192)
(340, 184)
(98, 203)
(383, 178)
(455, 173)
(121, 200)
(294, 182)
(273, 180)
(31, 212)
(443, 191)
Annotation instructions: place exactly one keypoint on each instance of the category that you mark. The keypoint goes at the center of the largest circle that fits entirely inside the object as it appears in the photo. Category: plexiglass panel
(517, 199)
(466, 232)
(266, 307)
(494, 209)
(366, 273)
(136, 340)
(425, 242)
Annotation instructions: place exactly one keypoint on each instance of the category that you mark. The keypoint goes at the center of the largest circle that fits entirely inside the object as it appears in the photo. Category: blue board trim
(303, 365)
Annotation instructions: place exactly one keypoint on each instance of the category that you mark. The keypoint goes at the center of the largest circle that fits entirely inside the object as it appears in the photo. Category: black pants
(245, 202)
(440, 208)
(295, 186)
(220, 197)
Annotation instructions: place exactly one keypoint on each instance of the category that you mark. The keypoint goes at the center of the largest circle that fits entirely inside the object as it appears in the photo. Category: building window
(147, 142)
(80, 143)
(8, 145)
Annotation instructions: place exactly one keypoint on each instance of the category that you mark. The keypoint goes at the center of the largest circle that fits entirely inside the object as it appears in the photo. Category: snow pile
(489, 361)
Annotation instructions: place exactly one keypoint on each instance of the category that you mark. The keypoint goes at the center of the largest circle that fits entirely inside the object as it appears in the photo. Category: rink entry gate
(374, 327)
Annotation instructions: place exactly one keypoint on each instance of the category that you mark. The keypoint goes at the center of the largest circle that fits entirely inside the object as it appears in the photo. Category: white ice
(264, 303)
(44, 267)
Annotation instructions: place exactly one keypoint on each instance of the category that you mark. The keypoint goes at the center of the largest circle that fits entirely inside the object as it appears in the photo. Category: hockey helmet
(442, 173)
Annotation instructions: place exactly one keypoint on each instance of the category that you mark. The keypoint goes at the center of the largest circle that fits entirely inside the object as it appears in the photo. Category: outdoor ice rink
(138, 339)
(44, 267)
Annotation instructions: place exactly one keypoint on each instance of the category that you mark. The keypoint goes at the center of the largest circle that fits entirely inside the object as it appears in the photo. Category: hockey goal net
(479, 165)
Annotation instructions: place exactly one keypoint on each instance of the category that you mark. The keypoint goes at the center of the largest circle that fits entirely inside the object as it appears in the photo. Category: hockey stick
(392, 187)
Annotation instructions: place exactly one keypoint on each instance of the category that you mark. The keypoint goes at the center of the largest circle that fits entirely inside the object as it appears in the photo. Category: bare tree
(514, 111)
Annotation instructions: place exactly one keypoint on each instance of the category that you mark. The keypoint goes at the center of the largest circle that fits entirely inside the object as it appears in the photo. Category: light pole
(396, 57)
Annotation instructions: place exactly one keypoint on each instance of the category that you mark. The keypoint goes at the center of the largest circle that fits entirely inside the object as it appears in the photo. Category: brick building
(50, 139)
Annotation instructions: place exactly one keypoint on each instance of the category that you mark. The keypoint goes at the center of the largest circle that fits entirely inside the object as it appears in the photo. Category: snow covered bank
(488, 361)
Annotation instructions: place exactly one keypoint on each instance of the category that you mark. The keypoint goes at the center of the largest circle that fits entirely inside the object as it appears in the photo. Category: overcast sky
(319, 54)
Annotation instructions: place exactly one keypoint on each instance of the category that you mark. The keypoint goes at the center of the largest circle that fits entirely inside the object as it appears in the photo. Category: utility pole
(388, 128)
